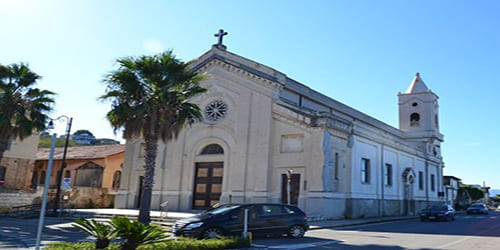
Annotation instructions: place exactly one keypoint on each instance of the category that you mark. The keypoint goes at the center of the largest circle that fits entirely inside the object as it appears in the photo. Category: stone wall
(90, 197)
(18, 173)
(19, 198)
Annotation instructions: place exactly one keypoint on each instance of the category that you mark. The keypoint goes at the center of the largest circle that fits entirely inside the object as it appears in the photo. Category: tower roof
(417, 85)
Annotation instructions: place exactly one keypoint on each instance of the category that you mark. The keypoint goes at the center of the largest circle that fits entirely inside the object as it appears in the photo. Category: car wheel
(296, 231)
(422, 219)
(453, 217)
(212, 233)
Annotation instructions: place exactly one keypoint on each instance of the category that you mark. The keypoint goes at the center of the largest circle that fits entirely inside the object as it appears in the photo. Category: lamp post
(63, 163)
(45, 193)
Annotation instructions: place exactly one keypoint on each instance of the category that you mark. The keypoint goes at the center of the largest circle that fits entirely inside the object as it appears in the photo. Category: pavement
(465, 233)
(381, 233)
(21, 233)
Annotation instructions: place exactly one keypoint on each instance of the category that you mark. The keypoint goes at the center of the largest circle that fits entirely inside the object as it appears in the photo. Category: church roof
(417, 85)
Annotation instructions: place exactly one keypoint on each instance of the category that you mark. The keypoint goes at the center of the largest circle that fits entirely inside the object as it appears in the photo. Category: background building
(95, 172)
(451, 186)
(17, 163)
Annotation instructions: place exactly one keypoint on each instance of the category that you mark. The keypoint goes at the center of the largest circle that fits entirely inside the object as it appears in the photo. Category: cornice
(214, 62)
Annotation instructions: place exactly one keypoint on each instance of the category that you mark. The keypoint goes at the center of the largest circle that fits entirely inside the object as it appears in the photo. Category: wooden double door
(207, 184)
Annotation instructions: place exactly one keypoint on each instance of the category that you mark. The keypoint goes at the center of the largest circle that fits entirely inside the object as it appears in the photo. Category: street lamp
(63, 163)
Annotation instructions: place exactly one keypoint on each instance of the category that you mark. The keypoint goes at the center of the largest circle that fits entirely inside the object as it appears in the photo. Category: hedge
(174, 244)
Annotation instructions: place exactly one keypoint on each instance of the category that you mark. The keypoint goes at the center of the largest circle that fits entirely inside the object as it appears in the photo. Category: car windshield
(436, 208)
(477, 205)
(222, 209)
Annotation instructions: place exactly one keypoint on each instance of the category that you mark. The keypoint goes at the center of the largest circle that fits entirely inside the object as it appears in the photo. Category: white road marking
(468, 237)
(303, 245)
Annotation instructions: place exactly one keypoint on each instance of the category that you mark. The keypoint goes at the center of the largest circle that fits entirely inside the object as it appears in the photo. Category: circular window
(414, 104)
(215, 111)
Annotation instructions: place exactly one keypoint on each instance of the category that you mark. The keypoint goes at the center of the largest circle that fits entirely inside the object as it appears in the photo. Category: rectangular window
(420, 180)
(388, 174)
(365, 170)
(336, 175)
(433, 186)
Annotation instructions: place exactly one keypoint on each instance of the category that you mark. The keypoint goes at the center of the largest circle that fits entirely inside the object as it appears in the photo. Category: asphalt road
(21, 233)
(466, 232)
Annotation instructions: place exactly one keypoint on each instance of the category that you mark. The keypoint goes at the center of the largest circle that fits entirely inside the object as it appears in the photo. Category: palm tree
(150, 99)
(23, 108)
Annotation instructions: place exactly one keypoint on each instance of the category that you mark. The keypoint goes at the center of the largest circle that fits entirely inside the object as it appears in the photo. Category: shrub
(177, 244)
(103, 231)
(78, 246)
(135, 233)
(194, 244)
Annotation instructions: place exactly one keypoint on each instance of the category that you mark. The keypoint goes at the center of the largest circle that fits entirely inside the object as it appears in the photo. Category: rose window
(215, 111)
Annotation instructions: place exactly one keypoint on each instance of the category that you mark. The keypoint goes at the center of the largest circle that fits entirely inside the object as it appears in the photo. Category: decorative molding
(244, 73)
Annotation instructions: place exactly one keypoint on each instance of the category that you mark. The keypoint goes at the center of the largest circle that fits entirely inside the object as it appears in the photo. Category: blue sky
(361, 53)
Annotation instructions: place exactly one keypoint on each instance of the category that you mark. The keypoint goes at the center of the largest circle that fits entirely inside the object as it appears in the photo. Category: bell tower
(419, 112)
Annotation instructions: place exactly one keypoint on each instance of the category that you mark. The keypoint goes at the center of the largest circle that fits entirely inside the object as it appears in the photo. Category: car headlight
(194, 225)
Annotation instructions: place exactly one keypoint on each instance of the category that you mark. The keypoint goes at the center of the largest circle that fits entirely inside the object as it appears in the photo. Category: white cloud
(153, 46)
(472, 144)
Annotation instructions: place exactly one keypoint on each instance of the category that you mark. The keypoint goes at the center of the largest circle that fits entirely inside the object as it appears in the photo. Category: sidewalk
(314, 225)
(179, 215)
(131, 212)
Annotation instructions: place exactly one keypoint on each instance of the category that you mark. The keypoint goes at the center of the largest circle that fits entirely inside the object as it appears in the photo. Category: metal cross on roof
(220, 35)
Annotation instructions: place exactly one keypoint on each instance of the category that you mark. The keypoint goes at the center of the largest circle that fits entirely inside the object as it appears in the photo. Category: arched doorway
(89, 175)
(208, 177)
(409, 202)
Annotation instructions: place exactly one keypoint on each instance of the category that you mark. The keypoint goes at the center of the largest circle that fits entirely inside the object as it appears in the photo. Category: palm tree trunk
(149, 169)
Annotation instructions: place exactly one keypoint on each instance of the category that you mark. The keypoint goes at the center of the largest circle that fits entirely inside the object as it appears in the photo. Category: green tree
(474, 192)
(45, 142)
(150, 99)
(23, 108)
(83, 131)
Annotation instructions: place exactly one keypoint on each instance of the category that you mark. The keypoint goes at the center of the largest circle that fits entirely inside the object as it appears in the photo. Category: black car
(477, 208)
(227, 220)
(438, 212)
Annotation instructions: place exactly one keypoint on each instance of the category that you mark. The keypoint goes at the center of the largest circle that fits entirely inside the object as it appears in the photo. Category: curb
(363, 223)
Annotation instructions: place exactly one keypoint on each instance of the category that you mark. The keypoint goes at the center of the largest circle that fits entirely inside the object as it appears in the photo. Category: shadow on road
(308, 242)
(473, 225)
(55, 230)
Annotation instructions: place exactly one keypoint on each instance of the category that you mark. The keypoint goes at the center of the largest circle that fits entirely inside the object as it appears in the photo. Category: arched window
(116, 180)
(212, 149)
(89, 175)
(414, 119)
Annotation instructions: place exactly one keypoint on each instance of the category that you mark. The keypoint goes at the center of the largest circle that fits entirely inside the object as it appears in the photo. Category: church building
(264, 133)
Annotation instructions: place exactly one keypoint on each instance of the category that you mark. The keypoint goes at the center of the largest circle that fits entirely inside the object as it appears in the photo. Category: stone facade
(342, 162)
(17, 163)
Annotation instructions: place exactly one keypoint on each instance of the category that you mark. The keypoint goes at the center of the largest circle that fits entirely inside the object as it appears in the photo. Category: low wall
(10, 198)
(89, 197)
